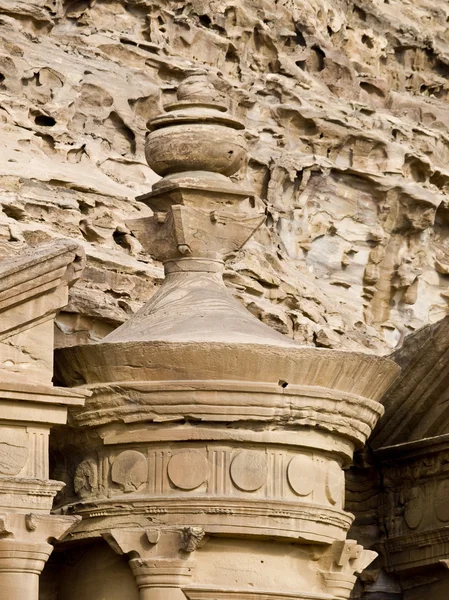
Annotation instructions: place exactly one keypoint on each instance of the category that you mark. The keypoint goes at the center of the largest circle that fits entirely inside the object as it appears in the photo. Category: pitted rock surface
(345, 108)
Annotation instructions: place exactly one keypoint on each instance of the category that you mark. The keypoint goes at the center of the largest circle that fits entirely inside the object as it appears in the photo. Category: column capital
(25, 548)
(158, 557)
(340, 563)
(31, 528)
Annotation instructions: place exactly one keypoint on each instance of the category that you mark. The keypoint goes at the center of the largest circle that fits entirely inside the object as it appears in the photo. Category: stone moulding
(291, 387)
(33, 288)
(418, 550)
(270, 520)
(354, 373)
(347, 415)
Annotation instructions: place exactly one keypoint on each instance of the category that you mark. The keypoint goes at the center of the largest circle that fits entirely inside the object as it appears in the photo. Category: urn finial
(195, 145)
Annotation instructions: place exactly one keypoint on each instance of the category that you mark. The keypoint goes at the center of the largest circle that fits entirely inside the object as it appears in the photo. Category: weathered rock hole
(415, 169)
(14, 212)
(124, 130)
(360, 13)
(371, 89)
(300, 39)
(44, 121)
(316, 59)
(439, 180)
(75, 8)
(205, 20)
(367, 41)
(121, 239)
(47, 139)
(283, 383)
(232, 54)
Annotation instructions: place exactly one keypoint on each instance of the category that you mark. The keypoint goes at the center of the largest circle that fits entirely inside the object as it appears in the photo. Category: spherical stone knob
(198, 88)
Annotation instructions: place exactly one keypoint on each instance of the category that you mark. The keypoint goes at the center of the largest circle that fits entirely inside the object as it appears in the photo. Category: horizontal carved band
(347, 414)
(284, 520)
(227, 594)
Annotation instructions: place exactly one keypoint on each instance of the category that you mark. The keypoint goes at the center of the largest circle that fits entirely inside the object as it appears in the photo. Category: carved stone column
(203, 417)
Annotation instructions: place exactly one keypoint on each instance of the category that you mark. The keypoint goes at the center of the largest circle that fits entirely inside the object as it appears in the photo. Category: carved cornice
(345, 414)
(287, 521)
(418, 549)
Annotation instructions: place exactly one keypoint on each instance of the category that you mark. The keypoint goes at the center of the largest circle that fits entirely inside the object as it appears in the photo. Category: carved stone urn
(212, 450)
(195, 134)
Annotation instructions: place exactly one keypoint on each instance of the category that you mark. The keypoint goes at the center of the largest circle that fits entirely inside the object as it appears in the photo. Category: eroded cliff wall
(346, 108)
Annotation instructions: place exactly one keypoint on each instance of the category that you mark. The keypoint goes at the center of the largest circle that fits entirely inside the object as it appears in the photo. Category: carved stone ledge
(348, 407)
(417, 549)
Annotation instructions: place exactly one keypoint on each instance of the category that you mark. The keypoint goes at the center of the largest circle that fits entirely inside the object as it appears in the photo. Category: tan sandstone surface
(344, 105)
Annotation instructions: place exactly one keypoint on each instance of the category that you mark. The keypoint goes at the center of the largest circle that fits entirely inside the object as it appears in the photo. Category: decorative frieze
(216, 471)
(415, 506)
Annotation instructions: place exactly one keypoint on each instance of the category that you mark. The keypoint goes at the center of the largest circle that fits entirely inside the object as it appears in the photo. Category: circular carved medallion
(129, 470)
(301, 475)
(414, 507)
(249, 470)
(334, 481)
(442, 501)
(188, 470)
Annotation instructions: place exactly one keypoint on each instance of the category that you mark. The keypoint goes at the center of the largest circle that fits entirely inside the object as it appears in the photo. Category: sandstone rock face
(344, 104)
